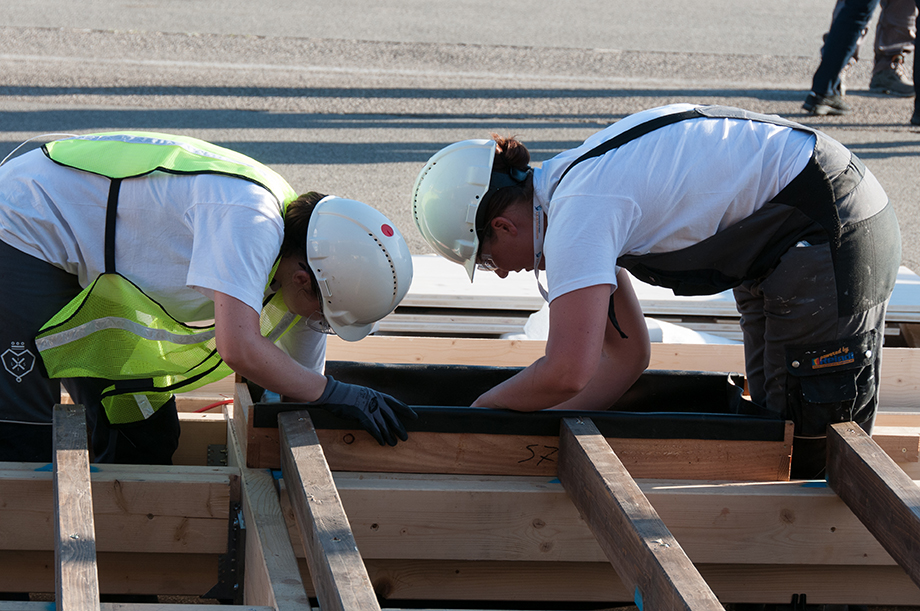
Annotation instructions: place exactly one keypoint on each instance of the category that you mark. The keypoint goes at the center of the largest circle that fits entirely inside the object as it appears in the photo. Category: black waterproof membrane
(660, 405)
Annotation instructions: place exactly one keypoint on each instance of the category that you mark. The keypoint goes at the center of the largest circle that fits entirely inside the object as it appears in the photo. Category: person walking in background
(894, 39)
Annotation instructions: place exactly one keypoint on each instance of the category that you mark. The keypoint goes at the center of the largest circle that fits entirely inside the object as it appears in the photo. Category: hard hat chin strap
(539, 229)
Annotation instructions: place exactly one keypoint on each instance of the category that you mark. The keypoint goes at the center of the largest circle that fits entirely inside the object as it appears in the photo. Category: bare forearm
(623, 359)
(613, 378)
(269, 367)
(243, 348)
(532, 389)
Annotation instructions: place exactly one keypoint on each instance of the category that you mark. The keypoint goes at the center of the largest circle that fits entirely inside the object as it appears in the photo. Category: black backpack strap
(633, 133)
(618, 141)
(111, 210)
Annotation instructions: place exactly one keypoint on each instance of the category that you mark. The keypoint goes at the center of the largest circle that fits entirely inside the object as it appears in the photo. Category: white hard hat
(447, 195)
(361, 263)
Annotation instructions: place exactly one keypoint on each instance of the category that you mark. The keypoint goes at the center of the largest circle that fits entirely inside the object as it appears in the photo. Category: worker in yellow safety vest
(135, 265)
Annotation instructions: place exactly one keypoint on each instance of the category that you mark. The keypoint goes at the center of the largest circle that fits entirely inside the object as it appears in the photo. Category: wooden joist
(898, 433)
(154, 509)
(648, 559)
(271, 576)
(878, 492)
(76, 576)
(531, 519)
(119, 572)
(338, 572)
(535, 582)
(473, 453)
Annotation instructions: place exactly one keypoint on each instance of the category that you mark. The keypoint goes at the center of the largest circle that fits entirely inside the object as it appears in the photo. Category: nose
(501, 273)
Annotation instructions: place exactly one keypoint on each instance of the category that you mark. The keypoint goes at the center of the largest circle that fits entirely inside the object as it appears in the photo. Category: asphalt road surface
(351, 97)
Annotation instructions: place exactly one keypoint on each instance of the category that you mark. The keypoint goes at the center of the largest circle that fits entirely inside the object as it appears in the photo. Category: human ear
(302, 278)
(503, 224)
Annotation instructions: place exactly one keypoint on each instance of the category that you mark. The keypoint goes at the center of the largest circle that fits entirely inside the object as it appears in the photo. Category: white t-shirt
(179, 238)
(664, 191)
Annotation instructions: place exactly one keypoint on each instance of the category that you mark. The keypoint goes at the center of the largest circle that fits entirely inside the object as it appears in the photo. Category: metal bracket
(229, 588)
(217, 455)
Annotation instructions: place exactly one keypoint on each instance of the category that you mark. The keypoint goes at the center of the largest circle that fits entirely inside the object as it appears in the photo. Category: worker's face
(509, 248)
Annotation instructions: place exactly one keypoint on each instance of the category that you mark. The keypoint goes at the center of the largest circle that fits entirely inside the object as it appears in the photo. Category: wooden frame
(76, 580)
(642, 550)
(339, 576)
(878, 492)
(442, 536)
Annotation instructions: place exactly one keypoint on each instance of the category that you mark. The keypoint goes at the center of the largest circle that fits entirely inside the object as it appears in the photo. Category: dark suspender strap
(110, 211)
(632, 134)
(618, 141)
(612, 315)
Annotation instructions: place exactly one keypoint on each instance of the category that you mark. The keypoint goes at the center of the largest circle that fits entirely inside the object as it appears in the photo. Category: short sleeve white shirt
(667, 190)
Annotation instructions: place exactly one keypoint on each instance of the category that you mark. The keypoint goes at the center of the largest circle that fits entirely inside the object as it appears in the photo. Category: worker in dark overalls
(697, 199)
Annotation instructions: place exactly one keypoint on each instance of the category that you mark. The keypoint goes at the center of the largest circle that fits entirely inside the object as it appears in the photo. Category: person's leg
(894, 40)
(819, 367)
(841, 87)
(915, 119)
(33, 292)
(749, 301)
(147, 442)
(839, 47)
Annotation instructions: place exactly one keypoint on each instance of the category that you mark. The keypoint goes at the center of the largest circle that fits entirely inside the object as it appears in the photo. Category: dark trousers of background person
(840, 44)
(916, 118)
(894, 35)
(33, 292)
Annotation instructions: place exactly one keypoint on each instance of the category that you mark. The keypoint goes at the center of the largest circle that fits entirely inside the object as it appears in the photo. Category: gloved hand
(377, 412)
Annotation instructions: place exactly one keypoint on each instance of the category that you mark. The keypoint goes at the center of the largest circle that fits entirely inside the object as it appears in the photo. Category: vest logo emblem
(834, 359)
(18, 360)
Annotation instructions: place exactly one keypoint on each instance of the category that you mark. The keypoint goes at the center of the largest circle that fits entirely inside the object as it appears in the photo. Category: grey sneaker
(893, 80)
(820, 105)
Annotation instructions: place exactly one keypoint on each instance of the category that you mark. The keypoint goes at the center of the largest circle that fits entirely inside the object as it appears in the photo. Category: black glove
(377, 412)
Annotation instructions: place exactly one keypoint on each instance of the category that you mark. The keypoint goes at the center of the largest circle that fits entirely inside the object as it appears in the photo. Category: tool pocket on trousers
(831, 382)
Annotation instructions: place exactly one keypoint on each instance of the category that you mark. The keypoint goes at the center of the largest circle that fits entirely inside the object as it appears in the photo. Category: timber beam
(880, 494)
(339, 575)
(271, 576)
(648, 559)
(76, 582)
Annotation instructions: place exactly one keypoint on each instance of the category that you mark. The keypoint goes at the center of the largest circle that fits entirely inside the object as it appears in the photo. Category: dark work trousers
(34, 291)
(791, 316)
(840, 44)
(916, 78)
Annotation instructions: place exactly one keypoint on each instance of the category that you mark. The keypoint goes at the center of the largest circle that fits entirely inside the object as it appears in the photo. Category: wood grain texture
(76, 576)
(271, 574)
(339, 576)
(881, 495)
(642, 550)
(484, 454)
(531, 519)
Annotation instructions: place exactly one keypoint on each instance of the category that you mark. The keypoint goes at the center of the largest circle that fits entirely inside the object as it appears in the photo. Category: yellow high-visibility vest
(112, 329)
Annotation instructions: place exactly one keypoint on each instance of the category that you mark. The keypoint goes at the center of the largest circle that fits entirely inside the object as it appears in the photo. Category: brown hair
(296, 222)
(509, 153)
